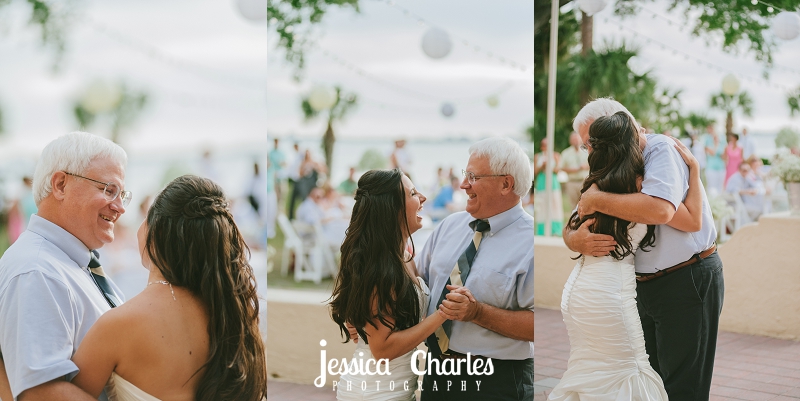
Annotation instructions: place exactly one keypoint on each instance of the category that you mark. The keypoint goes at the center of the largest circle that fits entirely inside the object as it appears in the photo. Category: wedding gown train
(400, 385)
(607, 360)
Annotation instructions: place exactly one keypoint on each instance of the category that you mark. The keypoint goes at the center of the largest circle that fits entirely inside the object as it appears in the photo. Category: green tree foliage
(793, 100)
(608, 75)
(294, 21)
(741, 101)
(698, 121)
(124, 113)
(739, 24)
(345, 102)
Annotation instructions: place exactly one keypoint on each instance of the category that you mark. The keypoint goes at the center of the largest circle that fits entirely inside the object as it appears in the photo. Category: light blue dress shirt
(48, 302)
(501, 276)
(666, 176)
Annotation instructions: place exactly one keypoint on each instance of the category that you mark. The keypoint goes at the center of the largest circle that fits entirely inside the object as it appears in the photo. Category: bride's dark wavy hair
(372, 265)
(615, 164)
(194, 242)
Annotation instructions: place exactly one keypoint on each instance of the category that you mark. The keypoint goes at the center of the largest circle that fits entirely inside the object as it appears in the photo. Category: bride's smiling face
(414, 201)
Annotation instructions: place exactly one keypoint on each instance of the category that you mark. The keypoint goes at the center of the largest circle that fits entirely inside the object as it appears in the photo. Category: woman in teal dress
(540, 199)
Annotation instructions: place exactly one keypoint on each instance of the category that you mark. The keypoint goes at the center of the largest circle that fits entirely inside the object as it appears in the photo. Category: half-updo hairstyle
(615, 165)
(194, 242)
(372, 264)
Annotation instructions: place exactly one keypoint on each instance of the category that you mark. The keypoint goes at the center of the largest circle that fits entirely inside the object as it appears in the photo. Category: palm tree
(729, 104)
(345, 102)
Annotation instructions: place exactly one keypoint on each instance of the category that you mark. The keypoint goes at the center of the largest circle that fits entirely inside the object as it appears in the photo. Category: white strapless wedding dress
(119, 389)
(607, 359)
(402, 382)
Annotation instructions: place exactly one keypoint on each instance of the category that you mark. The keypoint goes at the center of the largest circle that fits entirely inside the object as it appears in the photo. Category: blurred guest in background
(748, 145)
(749, 187)
(715, 165)
(348, 187)
(575, 163)
(400, 158)
(554, 202)
(733, 156)
(277, 162)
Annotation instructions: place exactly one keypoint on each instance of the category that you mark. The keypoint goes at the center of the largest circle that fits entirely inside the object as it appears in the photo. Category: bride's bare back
(153, 341)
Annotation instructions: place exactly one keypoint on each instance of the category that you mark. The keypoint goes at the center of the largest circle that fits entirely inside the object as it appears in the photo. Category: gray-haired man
(49, 295)
(489, 250)
(679, 281)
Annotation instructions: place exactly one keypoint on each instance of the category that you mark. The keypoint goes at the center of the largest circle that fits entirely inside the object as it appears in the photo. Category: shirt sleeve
(664, 174)
(37, 328)
(525, 284)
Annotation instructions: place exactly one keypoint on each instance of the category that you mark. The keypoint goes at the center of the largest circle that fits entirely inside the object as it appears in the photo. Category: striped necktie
(439, 341)
(99, 277)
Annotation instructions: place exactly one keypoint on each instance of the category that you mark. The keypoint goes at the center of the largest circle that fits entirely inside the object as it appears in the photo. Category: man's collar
(61, 238)
(504, 219)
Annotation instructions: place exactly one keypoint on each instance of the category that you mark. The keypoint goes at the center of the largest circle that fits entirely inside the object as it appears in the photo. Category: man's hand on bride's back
(459, 304)
(589, 243)
(587, 203)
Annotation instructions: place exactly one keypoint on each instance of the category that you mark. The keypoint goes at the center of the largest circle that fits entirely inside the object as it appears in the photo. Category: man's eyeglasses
(471, 177)
(584, 148)
(111, 190)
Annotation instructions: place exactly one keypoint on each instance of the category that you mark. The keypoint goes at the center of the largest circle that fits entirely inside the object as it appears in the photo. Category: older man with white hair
(52, 287)
(479, 266)
(680, 285)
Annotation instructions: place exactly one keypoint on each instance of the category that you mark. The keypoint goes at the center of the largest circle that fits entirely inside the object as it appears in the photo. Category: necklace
(165, 283)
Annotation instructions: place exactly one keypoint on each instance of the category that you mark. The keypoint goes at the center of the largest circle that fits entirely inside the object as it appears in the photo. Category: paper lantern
(786, 25)
(730, 85)
(493, 101)
(436, 43)
(448, 109)
(592, 7)
(101, 97)
(253, 10)
(322, 98)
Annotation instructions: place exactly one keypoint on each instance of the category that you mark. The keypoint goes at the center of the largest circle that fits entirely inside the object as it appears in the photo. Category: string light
(404, 90)
(754, 2)
(699, 61)
(154, 53)
(514, 65)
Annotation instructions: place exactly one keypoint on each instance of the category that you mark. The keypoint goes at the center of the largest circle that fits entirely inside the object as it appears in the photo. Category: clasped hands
(459, 304)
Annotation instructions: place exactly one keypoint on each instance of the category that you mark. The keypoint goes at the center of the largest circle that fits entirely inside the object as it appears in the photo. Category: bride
(192, 334)
(607, 350)
(377, 290)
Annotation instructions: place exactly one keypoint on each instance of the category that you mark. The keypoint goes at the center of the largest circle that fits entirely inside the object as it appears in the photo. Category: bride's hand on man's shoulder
(459, 304)
(686, 154)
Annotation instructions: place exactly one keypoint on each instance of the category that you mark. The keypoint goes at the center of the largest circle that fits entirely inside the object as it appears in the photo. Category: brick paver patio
(746, 367)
